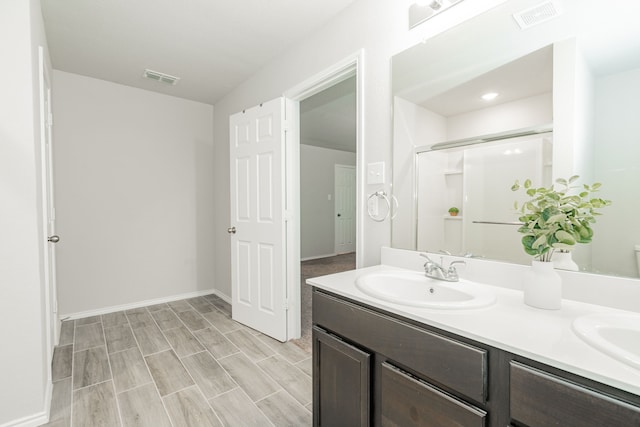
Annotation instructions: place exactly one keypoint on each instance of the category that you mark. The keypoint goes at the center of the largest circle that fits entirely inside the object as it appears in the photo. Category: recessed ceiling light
(489, 96)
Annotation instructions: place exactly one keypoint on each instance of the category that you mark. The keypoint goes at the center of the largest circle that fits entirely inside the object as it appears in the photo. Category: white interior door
(345, 208)
(257, 229)
(48, 205)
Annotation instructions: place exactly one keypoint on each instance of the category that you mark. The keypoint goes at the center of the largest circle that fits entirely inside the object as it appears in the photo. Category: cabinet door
(406, 401)
(539, 399)
(340, 382)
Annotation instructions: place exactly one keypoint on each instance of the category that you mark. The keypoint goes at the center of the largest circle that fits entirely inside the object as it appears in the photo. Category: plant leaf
(565, 237)
(539, 242)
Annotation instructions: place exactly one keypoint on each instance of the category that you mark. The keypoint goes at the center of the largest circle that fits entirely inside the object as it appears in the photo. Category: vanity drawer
(406, 401)
(542, 399)
(442, 360)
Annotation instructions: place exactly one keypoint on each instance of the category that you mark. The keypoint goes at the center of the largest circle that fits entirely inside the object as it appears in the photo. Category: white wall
(413, 126)
(616, 166)
(317, 217)
(522, 113)
(134, 187)
(24, 369)
(380, 28)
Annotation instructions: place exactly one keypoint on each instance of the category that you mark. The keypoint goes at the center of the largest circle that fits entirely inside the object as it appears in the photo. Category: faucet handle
(429, 264)
(457, 262)
(452, 272)
(429, 260)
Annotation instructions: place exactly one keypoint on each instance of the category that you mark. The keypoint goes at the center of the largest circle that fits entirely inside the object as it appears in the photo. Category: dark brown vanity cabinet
(341, 379)
(540, 399)
(374, 368)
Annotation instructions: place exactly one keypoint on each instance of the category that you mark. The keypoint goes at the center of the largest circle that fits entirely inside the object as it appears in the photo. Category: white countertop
(542, 335)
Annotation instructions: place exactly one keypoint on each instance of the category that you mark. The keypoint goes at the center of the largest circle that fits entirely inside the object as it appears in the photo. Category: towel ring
(395, 202)
(381, 194)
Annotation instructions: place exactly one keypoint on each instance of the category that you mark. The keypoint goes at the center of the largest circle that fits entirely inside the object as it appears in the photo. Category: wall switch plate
(375, 173)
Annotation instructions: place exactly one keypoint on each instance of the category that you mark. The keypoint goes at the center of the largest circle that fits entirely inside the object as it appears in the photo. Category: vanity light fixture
(489, 96)
(422, 10)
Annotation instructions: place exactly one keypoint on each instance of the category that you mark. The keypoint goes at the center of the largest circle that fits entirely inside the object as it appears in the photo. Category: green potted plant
(453, 211)
(554, 219)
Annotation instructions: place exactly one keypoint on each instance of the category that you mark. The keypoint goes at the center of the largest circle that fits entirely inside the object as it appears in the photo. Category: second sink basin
(616, 334)
(414, 289)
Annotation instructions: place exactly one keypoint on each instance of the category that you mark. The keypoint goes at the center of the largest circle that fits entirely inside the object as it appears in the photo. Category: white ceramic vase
(542, 286)
(564, 261)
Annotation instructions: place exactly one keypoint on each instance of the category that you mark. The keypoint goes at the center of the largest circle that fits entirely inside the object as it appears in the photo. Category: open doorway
(328, 196)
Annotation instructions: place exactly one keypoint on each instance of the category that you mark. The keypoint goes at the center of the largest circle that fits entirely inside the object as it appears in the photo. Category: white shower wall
(489, 172)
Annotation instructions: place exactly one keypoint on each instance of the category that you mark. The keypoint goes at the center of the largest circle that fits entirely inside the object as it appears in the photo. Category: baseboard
(49, 394)
(114, 308)
(309, 258)
(34, 420)
(38, 418)
(223, 297)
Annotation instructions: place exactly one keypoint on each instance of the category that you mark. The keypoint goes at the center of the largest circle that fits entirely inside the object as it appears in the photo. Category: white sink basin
(616, 334)
(414, 289)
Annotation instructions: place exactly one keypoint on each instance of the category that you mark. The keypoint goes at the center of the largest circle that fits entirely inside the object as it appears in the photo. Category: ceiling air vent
(537, 14)
(160, 77)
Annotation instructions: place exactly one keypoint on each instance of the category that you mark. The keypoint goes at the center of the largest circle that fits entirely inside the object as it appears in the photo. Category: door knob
(54, 239)
(231, 230)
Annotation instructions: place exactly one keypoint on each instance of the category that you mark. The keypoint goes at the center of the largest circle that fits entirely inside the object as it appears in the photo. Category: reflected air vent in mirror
(537, 14)
(160, 77)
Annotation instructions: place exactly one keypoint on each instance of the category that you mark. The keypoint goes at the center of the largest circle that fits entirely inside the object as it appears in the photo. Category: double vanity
(393, 347)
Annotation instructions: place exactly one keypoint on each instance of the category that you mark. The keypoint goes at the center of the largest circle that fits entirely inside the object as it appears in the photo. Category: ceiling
(212, 45)
(328, 118)
(535, 69)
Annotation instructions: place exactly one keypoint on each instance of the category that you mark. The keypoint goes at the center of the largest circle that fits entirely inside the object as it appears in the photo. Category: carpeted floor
(315, 268)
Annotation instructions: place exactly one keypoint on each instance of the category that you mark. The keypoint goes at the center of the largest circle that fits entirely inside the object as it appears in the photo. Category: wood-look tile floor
(184, 363)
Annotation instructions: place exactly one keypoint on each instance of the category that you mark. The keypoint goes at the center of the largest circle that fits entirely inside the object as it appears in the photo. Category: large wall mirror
(568, 103)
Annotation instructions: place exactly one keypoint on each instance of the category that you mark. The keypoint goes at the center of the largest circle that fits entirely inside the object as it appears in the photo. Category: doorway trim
(46, 186)
(352, 65)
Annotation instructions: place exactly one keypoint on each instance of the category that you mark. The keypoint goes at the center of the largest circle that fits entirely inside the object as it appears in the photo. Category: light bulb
(436, 5)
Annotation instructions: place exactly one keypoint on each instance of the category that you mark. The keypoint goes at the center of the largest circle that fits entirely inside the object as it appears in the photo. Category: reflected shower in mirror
(582, 79)
(472, 178)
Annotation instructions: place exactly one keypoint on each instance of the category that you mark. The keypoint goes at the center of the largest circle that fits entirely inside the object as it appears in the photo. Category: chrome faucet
(436, 271)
